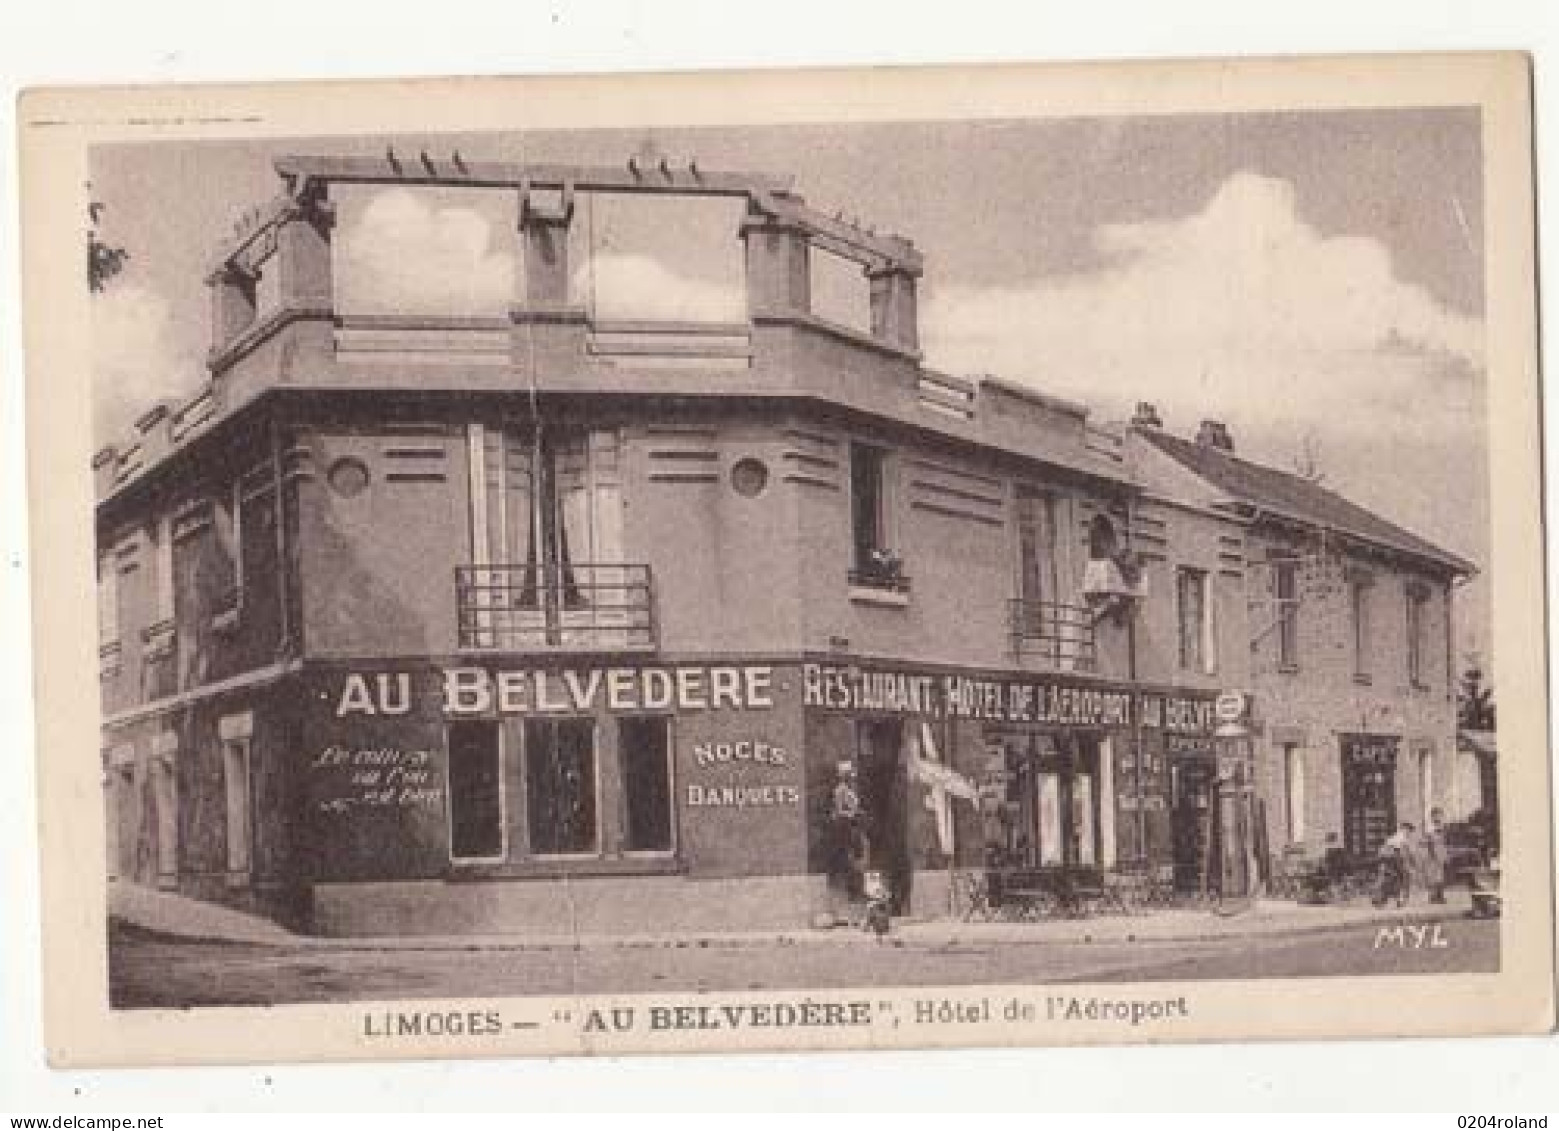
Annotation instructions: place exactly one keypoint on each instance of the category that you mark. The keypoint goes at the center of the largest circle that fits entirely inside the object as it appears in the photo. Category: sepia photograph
(858, 580)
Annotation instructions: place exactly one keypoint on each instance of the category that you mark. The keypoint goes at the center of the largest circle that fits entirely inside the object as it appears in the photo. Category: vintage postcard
(817, 560)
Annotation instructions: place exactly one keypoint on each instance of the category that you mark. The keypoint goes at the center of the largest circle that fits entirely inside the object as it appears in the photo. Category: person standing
(846, 837)
(1432, 855)
(1394, 882)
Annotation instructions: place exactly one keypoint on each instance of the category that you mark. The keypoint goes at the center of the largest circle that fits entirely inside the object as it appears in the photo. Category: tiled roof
(1293, 497)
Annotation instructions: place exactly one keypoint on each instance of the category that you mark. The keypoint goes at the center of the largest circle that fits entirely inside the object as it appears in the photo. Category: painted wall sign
(1045, 702)
(1176, 714)
(379, 777)
(1362, 750)
(742, 796)
(1187, 746)
(741, 751)
(476, 691)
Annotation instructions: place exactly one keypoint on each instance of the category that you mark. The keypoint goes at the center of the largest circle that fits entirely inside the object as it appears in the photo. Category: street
(150, 971)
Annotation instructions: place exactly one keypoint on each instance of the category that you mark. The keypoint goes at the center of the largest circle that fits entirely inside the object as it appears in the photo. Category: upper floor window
(1417, 602)
(163, 570)
(1039, 566)
(1285, 591)
(1359, 587)
(107, 599)
(876, 563)
(552, 499)
(1193, 603)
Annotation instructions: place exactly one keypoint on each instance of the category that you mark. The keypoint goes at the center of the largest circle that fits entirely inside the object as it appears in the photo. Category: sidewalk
(177, 916)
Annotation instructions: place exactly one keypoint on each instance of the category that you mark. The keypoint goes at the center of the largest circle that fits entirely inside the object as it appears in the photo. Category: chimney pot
(1146, 416)
(1215, 434)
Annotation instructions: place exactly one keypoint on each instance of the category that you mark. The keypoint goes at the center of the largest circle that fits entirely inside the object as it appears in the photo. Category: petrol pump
(1231, 845)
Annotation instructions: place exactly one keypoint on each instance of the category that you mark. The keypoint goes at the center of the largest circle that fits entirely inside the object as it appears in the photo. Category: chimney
(1215, 434)
(1146, 416)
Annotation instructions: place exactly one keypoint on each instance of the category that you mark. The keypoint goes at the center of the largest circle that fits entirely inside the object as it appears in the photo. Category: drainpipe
(1136, 721)
(283, 573)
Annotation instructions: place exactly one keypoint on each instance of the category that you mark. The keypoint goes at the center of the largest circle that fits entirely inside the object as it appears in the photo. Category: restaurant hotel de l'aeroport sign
(1038, 700)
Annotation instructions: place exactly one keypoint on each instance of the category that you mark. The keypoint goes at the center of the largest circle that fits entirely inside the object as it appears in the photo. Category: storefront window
(560, 787)
(1083, 832)
(646, 772)
(1049, 819)
(1054, 794)
(475, 792)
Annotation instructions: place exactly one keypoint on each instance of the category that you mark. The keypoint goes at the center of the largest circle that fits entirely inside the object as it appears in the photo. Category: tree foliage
(1474, 700)
(104, 260)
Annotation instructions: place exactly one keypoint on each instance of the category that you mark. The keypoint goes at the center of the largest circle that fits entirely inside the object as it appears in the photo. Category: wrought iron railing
(587, 605)
(869, 577)
(1053, 633)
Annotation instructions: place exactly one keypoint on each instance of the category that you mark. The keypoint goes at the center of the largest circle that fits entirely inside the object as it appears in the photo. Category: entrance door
(884, 804)
(1369, 793)
(1193, 789)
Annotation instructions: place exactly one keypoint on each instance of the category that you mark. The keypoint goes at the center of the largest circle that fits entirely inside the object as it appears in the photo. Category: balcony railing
(586, 606)
(1053, 633)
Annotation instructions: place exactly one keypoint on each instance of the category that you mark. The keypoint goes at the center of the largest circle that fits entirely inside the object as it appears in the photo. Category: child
(879, 902)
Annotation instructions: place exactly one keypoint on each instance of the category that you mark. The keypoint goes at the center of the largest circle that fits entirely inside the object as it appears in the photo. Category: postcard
(790, 560)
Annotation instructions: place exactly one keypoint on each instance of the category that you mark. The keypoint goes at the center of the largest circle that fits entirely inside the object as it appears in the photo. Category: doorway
(884, 805)
(1193, 788)
(1369, 794)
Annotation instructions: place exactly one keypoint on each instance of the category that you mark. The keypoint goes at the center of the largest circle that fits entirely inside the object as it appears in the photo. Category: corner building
(547, 622)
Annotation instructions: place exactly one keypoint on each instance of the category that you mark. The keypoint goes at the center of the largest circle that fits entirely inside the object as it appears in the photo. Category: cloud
(423, 252)
(1242, 310)
(135, 360)
(1246, 313)
(638, 286)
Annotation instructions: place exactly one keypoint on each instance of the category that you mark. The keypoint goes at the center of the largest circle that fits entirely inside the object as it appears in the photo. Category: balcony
(579, 608)
(1056, 635)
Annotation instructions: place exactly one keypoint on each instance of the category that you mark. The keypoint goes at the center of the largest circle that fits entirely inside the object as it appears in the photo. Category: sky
(1314, 279)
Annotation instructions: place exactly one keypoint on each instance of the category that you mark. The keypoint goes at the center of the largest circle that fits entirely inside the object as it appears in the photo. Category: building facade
(548, 622)
(1349, 640)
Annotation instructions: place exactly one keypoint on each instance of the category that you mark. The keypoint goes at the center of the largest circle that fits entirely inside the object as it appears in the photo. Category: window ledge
(1363, 679)
(888, 598)
(1288, 669)
(646, 865)
(109, 659)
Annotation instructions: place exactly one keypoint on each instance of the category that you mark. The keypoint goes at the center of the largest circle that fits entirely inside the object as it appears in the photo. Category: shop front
(615, 795)
(555, 798)
(1065, 780)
